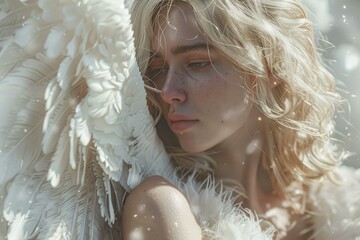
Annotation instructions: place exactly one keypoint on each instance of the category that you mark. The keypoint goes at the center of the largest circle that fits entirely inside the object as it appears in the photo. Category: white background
(339, 22)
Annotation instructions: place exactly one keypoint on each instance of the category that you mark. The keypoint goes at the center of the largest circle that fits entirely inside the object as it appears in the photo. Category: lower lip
(181, 126)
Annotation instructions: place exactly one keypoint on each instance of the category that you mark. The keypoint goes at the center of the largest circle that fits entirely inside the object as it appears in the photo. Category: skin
(198, 82)
(202, 86)
(158, 210)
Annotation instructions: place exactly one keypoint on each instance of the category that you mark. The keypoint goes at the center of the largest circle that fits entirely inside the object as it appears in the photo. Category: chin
(190, 147)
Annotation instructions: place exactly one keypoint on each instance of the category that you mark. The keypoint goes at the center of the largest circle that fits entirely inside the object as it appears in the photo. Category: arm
(158, 210)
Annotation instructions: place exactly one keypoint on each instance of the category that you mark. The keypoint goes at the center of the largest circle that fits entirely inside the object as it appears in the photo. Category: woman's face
(203, 96)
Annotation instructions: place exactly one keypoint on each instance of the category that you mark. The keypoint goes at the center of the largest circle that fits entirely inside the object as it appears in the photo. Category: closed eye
(154, 73)
(200, 65)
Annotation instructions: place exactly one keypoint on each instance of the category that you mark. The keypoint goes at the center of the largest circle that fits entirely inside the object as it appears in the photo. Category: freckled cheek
(207, 92)
(225, 99)
(209, 86)
(209, 96)
(214, 90)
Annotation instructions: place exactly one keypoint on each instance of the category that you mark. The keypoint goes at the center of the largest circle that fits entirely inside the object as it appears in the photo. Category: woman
(236, 93)
(241, 93)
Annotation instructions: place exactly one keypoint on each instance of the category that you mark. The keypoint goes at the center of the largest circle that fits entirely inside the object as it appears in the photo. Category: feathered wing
(72, 110)
(36, 210)
(75, 130)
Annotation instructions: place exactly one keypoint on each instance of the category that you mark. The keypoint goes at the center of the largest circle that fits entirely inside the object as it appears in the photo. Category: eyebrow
(185, 48)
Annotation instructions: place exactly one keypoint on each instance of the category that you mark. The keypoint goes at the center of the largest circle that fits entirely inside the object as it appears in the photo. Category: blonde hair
(272, 41)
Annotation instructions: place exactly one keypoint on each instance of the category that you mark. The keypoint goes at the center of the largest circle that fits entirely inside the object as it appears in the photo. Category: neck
(238, 158)
(239, 163)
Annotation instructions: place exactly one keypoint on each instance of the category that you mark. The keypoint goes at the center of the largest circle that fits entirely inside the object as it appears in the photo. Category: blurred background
(339, 23)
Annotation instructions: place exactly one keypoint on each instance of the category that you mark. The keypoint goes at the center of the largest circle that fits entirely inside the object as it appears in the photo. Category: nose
(173, 89)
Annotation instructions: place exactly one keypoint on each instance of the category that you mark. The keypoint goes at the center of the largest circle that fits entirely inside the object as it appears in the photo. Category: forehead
(175, 25)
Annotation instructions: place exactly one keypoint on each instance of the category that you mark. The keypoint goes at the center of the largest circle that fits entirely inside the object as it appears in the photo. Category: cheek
(235, 115)
(225, 98)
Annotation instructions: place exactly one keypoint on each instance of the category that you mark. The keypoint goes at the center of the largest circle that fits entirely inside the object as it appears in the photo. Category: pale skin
(206, 105)
(158, 210)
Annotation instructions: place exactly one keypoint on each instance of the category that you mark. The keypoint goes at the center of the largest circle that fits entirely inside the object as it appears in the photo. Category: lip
(180, 123)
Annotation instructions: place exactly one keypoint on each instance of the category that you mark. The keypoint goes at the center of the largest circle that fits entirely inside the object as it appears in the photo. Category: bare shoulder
(156, 209)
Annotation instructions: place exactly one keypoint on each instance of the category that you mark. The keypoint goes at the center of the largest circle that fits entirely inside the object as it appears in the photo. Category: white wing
(74, 128)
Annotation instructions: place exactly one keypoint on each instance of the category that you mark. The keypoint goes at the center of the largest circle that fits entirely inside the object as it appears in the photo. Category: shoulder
(336, 206)
(156, 209)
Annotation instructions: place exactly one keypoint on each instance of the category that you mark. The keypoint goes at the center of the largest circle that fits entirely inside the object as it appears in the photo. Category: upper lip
(175, 117)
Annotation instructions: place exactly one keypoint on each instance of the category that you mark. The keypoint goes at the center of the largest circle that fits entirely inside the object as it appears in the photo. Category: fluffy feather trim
(337, 207)
(219, 218)
(69, 65)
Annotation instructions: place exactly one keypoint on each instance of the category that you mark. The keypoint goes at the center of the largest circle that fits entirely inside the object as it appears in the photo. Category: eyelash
(196, 66)
(199, 65)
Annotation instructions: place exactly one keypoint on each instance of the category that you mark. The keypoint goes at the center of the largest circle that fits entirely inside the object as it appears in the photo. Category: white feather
(87, 46)
(21, 86)
(135, 175)
(52, 132)
(12, 55)
(109, 197)
(67, 72)
(54, 122)
(16, 229)
(19, 152)
(31, 36)
(51, 95)
(12, 15)
(28, 198)
(101, 192)
(81, 123)
(77, 210)
(59, 160)
(119, 196)
(73, 144)
(56, 42)
(51, 10)
(3, 222)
